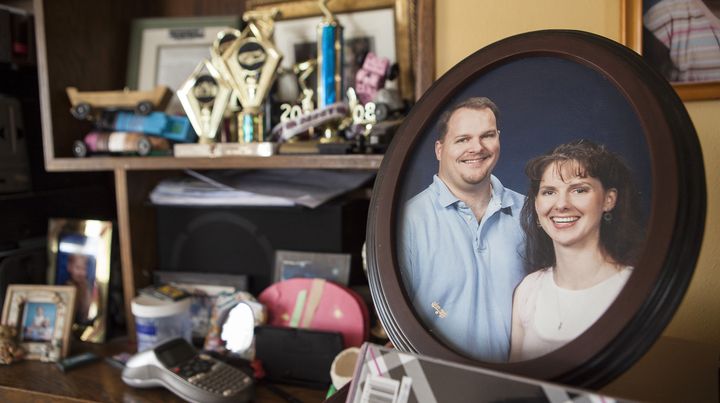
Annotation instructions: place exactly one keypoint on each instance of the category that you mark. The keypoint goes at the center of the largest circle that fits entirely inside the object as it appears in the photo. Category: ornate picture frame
(79, 255)
(43, 317)
(671, 180)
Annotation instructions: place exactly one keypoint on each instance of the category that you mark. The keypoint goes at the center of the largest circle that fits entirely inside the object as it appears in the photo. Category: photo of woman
(584, 231)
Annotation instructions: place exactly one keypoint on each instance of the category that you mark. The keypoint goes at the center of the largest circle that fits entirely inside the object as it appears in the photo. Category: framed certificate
(165, 51)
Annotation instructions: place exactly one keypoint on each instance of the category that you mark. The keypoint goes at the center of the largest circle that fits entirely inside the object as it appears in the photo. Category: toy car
(119, 143)
(173, 128)
(142, 102)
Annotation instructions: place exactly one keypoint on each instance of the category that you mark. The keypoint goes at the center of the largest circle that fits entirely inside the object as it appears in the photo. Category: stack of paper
(307, 187)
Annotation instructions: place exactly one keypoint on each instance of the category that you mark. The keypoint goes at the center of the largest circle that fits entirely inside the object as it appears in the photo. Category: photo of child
(39, 321)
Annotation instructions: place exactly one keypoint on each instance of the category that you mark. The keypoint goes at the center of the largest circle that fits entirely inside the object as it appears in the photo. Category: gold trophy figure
(303, 71)
(252, 61)
(204, 96)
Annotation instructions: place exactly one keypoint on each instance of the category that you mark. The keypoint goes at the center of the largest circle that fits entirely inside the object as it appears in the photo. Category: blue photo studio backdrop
(544, 102)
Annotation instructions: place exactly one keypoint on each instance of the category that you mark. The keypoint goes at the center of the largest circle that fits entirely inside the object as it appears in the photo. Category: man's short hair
(476, 103)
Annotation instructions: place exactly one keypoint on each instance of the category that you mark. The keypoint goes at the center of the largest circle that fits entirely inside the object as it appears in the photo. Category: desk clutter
(292, 332)
(204, 337)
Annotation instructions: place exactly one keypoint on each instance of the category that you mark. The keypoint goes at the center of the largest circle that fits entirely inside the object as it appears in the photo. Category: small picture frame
(42, 316)
(79, 256)
(329, 266)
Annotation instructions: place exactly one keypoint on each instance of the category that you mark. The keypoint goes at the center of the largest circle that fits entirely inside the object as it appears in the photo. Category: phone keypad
(213, 376)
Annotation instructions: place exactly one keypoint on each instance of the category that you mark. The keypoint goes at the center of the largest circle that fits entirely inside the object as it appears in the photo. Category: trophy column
(330, 67)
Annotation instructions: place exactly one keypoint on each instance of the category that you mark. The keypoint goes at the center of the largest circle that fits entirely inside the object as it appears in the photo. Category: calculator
(195, 377)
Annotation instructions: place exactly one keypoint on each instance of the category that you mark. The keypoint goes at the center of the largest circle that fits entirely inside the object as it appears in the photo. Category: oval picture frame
(674, 188)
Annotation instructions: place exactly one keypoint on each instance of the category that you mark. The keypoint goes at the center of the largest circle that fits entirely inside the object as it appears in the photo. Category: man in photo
(461, 240)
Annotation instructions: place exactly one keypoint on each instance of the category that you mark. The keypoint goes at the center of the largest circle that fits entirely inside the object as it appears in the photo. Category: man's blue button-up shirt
(461, 273)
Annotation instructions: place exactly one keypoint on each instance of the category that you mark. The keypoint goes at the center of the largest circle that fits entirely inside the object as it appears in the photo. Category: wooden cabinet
(84, 43)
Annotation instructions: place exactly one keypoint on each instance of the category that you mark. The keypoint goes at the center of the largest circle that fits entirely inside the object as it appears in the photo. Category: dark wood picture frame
(675, 226)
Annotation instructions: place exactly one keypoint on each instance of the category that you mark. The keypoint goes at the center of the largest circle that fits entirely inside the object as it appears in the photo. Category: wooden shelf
(67, 56)
(150, 163)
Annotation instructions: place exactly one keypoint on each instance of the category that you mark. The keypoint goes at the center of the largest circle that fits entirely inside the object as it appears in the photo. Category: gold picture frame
(404, 18)
(42, 316)
(79, 255)
(632, 22)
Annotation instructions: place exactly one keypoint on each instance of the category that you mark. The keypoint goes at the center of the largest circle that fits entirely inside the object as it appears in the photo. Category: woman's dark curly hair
(622, 237)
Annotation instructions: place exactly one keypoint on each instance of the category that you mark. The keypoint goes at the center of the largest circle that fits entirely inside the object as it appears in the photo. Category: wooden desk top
(35, 381)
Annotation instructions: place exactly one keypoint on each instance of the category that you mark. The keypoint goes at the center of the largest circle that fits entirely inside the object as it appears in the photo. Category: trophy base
(330, 136)
(299, 147)
(193, 150)
(263, 149)
(259, 149)
(335, 148)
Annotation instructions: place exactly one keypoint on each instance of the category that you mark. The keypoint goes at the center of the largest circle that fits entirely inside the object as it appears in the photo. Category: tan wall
(464, 26)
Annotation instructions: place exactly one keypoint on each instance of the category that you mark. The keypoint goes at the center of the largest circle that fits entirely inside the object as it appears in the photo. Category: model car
(119, 143)
(174, 128)
(142, 102)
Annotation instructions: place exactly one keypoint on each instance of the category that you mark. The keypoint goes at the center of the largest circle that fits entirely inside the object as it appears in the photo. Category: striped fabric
(692, 34)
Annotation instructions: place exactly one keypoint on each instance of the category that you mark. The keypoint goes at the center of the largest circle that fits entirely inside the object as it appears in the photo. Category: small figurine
(371, 77)
(9, 350)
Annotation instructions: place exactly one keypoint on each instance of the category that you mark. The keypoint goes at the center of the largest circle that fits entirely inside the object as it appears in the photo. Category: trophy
(223, 41)
(329, 67)
(204, 96)
(252, 62)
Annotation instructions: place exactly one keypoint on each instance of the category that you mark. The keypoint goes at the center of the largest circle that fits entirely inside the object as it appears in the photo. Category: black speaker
(243, 240)
(24, 262)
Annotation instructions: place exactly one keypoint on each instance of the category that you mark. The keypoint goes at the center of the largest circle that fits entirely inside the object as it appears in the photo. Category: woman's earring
(607, 216)
(537, 221)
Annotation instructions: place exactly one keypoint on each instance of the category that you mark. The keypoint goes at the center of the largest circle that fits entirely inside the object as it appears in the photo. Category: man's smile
(475, 160)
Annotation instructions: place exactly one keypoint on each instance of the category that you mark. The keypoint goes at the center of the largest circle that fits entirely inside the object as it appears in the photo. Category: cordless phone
(196, 377)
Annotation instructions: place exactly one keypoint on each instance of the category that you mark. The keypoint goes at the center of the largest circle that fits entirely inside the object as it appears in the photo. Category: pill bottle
(157, 320)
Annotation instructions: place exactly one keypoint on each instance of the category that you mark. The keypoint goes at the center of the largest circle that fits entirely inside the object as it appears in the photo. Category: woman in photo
(583, 232)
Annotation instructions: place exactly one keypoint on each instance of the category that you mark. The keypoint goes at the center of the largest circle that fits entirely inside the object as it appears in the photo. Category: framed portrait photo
(539, 212)
(681, 39)
(295, 264)
(80, 252)
(43, 318)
